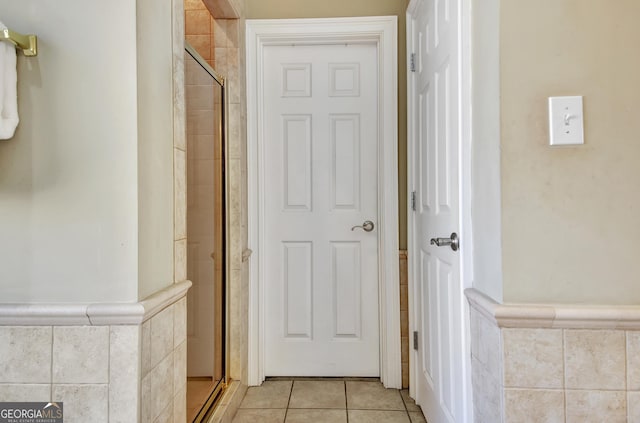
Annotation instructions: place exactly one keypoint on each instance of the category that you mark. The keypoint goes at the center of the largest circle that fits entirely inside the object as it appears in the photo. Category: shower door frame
(220, 80)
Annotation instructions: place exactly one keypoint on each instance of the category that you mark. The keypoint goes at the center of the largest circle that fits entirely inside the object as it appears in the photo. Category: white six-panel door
(438, 300)
(321, 277)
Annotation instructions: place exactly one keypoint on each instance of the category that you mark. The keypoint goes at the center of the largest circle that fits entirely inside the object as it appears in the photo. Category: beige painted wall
(485, 151)
(155, 146)
(86, 184)
(571, 230)
(68, 193)
(276, 9)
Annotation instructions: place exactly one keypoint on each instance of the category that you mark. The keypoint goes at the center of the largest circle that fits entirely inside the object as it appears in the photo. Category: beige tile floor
(330, 401)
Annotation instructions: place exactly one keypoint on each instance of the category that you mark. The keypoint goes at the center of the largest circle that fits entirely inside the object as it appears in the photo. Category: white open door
(438, 306)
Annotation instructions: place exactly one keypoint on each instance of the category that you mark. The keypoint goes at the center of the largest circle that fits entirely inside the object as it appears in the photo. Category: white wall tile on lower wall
(596, 406)
(534, 405)
(489, 346)
(180, 322)
(633, 407)
(164, 382)
(633, 361)
(145, 348)
(80, 354)
(124, 370)
(25, 354)
(166, 416)
(180, 405)
(25, 392)
(533, 358)
(558, 371)
(83, 403)
(98, 372)
(157, 390)
(161, 335)
(180, 367)
(487, 394)
(595, 359)
(474, 320)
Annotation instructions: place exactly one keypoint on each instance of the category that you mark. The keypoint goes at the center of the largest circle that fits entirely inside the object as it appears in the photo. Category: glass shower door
(204, 91)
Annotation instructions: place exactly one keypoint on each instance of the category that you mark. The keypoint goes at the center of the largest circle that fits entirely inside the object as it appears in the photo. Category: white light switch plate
(566, 121)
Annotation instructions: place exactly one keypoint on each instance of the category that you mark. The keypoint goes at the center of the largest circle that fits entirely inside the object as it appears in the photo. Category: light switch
(566, 121)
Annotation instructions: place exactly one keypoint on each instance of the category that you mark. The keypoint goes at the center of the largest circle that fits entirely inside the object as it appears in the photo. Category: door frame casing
(465, 190)
(378, 30)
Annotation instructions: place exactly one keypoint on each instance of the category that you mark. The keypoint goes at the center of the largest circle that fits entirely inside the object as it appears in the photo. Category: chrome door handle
(453, 241)
(367, 226)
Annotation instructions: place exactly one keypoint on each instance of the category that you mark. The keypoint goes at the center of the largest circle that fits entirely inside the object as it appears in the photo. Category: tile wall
(198, 25)
(163, 373)
(548, 374)
(92, 369)
(102, 373)
(486, 368)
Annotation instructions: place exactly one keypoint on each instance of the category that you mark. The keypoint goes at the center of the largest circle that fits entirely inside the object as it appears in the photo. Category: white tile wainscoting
(554, 363)
(115, 363)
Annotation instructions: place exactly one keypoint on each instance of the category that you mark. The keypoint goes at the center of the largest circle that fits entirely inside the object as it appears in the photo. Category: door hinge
(413, 200)
(412, 63)
(415, 340)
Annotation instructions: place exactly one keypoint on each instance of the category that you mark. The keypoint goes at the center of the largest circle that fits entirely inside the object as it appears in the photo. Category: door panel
(297, 162)
(345, 151)
(298, 289)
(346, 279)
(321, 277)
(438, 294)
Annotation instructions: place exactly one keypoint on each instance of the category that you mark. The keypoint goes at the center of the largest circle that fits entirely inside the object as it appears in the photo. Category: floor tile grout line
(405, 405)
(346, 401)
(286, 410)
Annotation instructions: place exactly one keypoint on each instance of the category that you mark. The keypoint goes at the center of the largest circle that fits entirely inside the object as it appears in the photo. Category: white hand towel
(8, 89)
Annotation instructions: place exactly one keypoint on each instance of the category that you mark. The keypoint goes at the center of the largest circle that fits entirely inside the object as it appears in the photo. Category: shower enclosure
(206, 240)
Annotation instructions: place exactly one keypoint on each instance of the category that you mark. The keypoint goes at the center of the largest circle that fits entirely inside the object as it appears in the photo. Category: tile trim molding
(157, 302)
(92, 314)
(554, 316)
